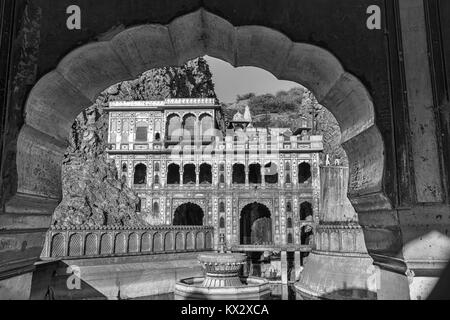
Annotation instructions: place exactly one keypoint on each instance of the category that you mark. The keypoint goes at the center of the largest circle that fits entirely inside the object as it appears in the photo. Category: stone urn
(222, 269)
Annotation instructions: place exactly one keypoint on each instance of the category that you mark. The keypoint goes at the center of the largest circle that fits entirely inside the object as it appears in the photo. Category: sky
(230, 81)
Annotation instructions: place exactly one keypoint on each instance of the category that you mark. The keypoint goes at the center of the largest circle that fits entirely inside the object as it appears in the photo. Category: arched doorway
(254, 173)
(173, 174)
(188, 214)
(306, 211)
(255, 225)
(205, 176)
(189, 175)
(238, 173)
(140, 174)
(304, 172)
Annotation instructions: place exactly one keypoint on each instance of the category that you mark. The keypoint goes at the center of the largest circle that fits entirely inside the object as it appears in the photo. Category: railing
(119, 241)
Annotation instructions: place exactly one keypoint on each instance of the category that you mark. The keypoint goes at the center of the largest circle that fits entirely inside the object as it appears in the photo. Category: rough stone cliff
(93, 195)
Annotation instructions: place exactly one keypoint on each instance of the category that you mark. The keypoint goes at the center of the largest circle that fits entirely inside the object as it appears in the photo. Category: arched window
(141, 133)
(206, 124)
(139, 205)
(155, 209)
(306, 235)
(140, 174)
(205, 173)
(124, 167)
(222, 223)
(306, 211)
(173, 174)
(238, 173)
(288, 178)
(289, 238)
(287, 167)
(173, 127)
(254, 173)
(189, 125)
(304, 172)
(189, 175)
(222, 178)
(289, 223)
(271, 173)
(221, 207)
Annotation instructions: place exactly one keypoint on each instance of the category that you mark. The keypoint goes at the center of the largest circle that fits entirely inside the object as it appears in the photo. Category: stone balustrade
(344, 238)
(120, 241)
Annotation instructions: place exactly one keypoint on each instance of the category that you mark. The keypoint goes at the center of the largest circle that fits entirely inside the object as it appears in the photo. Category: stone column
(263, 181)
(297, 264)
(181, 176)
(197, 176)
(247, 183)
(284, 268)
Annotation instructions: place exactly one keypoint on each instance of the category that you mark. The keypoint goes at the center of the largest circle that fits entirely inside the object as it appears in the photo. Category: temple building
(256, 186)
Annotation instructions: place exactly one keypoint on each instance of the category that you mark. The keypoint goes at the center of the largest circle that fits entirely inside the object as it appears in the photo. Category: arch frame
(88, 70)
(260, 202)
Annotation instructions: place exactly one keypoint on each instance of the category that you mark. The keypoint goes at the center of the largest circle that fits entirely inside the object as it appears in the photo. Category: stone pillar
(263, 181)
(284, 268)
(418, 250)
(247, 183)
(285, 292)
(197, 176)
(348, 270)
(297, 264)
(181, 176)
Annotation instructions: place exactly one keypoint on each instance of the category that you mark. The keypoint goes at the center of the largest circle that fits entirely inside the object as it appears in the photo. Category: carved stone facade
(180, 151)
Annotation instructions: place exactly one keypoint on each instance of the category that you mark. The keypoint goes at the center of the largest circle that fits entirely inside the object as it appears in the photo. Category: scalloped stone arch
(62, 94)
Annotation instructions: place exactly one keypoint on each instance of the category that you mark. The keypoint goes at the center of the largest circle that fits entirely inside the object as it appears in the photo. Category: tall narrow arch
(271, 173)
(173, 127)
(254, 173)
(255, 224)
(205, 175)
(306, 211)
(304, 172)
(189, 174)
(238, 174)
(173, 174)
(140, 174)
(206, 124)
(189, 125)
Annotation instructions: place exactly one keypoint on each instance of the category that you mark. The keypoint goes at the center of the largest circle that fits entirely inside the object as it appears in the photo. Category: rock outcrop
(93, 195)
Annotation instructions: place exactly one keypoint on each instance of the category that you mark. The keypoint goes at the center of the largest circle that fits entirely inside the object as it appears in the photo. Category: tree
(286, 108)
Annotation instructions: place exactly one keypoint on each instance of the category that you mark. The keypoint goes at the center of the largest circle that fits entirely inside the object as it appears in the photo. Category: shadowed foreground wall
(114, 278)
(339, 267)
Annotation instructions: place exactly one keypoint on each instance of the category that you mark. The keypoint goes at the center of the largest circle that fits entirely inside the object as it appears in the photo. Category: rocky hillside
(285, 110)
(92, 193)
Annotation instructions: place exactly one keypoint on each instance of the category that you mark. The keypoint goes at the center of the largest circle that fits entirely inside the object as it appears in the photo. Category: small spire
(247, 114)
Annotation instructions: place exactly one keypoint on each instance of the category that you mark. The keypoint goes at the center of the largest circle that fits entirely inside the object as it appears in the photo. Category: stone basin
(222, 269)
(222, 280)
